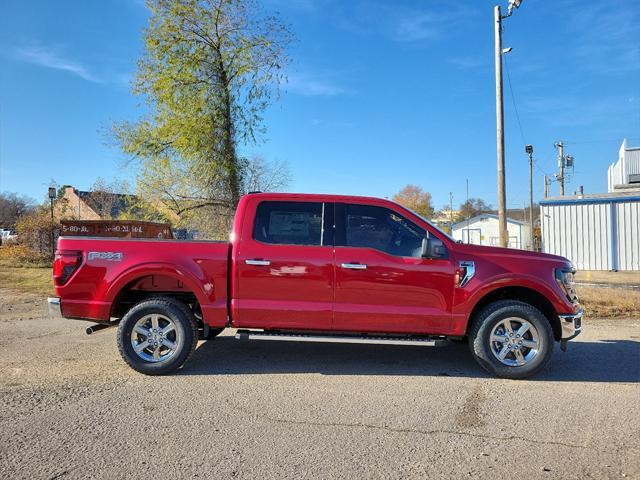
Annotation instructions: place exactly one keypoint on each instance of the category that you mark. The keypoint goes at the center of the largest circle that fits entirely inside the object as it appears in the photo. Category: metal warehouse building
(595, 232)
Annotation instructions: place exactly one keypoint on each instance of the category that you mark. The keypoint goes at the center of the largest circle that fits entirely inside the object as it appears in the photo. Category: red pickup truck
(320, 268)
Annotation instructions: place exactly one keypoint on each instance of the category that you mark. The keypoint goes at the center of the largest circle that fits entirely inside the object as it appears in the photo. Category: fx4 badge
(110, 256)
(466, 271)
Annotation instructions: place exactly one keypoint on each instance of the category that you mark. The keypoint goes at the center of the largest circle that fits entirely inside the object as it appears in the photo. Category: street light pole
(529, 150)
(502, 189)
(502, 194)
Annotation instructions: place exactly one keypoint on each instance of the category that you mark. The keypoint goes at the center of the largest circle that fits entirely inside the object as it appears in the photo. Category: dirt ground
(71, 408)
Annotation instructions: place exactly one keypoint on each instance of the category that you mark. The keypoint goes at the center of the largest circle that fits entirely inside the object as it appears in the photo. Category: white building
(598, 231)
(625, 173)
(483, 230)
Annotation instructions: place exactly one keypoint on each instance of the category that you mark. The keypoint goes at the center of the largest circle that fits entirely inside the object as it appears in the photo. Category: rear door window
(289, 223)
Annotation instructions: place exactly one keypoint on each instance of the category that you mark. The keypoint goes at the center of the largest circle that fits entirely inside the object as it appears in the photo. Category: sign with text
(115, 228)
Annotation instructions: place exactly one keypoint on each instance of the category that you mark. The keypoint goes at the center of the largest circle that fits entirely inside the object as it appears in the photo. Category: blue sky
(380, 93)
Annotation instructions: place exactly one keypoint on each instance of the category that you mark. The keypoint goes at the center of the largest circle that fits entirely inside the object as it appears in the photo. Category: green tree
(210, 69)
(471, 208)
(416, 199)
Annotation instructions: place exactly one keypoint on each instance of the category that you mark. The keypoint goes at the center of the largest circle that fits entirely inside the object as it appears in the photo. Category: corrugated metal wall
(628, 232)
(632, 162)
(628, 164)
(594, 235)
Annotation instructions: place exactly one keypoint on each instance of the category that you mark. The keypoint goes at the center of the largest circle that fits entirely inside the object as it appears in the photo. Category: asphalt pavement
(71, 408)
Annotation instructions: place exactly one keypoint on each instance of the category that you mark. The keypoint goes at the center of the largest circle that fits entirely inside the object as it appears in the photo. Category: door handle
(262, 263)
(354, 266)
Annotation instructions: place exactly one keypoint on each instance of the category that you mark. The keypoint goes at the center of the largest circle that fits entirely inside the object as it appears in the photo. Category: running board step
(369, 340)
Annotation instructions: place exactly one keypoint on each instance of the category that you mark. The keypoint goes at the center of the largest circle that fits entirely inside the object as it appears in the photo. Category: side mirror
(433, 247)
(424, 248)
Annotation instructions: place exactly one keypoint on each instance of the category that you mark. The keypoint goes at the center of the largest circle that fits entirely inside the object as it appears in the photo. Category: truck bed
(100, 269)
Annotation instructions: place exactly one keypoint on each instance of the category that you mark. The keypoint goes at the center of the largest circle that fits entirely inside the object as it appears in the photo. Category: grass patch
(27, 279)
(599, 302)
(600, 276)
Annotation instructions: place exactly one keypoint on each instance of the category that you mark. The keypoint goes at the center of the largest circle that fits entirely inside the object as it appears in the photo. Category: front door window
(382, 229)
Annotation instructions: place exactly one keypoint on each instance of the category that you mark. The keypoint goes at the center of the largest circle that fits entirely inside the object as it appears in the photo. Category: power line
(515, 109)
(513, 100)
(540, 170)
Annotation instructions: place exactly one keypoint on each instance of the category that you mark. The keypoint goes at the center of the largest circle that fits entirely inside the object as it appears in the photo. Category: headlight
(564, 277)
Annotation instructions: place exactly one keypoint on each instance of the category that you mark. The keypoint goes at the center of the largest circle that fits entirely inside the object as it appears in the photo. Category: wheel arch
(153, 281)
(523, 294)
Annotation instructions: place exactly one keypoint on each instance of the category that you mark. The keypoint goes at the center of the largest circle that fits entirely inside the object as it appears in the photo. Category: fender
(467, 300)
(520, 280)
(198, 286)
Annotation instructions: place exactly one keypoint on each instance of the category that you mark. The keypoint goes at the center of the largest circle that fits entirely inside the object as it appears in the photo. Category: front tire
(511, 339)
(157, 336)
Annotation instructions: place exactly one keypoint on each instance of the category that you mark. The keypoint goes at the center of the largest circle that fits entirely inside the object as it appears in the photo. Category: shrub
(35, 233)
(22, 256)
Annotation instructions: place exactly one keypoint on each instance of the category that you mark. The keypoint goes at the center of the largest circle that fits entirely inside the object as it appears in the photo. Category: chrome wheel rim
(515, 342)
(155, 338)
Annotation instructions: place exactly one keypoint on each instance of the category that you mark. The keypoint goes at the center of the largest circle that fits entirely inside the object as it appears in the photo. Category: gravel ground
(71, 408)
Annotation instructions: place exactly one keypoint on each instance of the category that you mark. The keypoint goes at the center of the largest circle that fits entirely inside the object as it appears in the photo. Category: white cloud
(302, 5)
(413, 28)
(605, 37)
(470, 62)
(310, 86)
(46, 57)
(576, 111)
(402, 23)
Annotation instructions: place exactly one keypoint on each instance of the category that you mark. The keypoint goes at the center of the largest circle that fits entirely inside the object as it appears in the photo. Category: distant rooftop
(100, 200)
(462, 223)
(631, 194)
(625, 172)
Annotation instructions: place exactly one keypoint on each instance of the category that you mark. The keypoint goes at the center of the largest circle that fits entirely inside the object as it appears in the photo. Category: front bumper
(571, 325)
(55, 308)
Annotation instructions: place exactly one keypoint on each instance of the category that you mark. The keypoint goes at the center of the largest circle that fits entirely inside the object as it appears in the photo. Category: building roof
(463, 223)
(98, 201)
(625, 146)
(610, 197)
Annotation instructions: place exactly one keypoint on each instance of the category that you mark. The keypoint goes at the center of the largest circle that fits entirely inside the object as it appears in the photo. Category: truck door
(382, 282)
(284, 266)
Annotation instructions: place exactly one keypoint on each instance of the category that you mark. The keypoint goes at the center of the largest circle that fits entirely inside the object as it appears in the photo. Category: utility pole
(524, 220)
(529, 150)
(560, 175)
(451, 213)
(546, 187)
(502, 193)
(468, 212)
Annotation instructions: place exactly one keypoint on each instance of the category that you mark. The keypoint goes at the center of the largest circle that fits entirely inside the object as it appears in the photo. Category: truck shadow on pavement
(604, 361)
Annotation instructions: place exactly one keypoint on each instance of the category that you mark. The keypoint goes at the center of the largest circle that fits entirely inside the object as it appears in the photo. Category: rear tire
(511, 339)
(157, 336)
